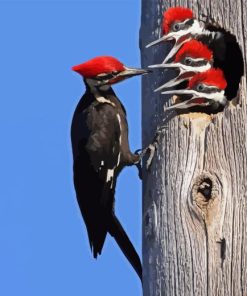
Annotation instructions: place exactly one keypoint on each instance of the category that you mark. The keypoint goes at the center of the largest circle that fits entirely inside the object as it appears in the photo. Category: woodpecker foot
(139, 168)
(153, 147)
(150, 149)
(140, 153)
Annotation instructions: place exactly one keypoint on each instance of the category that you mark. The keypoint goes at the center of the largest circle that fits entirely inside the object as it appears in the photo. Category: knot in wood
(205, 190)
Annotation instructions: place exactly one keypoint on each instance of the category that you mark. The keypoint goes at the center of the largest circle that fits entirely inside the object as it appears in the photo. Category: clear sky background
(44, 249)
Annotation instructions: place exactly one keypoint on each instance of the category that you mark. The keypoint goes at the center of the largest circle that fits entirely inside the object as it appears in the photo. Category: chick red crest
(98, 65)
(194, 49)
(175, 14)
(212, 77)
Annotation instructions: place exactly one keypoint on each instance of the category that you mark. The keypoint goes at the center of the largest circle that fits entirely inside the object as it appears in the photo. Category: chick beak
(170, 36)
(188, 104)
(174, 49)
(173, 82)
(170, 83)
(163, 38)
(168, 65)
(192, 92)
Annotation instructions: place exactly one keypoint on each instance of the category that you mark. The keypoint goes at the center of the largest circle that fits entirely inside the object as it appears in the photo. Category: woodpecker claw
(141, 153)
(152, 149)
(139, 168)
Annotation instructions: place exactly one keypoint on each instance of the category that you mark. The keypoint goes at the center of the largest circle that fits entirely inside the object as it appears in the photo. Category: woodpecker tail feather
(116, 230)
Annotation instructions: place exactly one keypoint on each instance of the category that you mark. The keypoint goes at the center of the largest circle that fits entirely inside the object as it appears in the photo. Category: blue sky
(43, 244)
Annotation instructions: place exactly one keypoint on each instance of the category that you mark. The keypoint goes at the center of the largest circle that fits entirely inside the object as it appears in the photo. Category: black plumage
(227, 56)
(99, 135)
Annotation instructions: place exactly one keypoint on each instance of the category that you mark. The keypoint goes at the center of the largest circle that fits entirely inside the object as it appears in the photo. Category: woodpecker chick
(100, 145)
(191, 58)
(205, 89)
(178, 25)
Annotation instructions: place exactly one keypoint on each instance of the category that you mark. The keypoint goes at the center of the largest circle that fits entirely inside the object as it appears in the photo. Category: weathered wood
(194, 239)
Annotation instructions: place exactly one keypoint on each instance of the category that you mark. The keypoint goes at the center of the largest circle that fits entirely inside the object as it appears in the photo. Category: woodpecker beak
(168, 37)
(175, 47)
(201, 102)
(130, 72)
(168, 65)
(184, 68)
(180, 38)
(210, 97)
(185, 73)
(163, 38)
(127, 73)
(193, 93)
(171, 83)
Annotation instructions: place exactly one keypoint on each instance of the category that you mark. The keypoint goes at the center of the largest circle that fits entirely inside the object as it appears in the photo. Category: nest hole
(228, 57)
(230, 60)
(205, 189)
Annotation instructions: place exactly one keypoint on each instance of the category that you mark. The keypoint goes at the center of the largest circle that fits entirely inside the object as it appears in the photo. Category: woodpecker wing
(95, 141)
(226, 49)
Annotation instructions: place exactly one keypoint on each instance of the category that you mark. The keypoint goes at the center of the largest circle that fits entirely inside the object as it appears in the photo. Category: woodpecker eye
(175, 27)
(188, 61)
(200, 87)
(115, 72)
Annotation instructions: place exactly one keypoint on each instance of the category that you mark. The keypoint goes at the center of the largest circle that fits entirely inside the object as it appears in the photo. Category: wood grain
(194, 233)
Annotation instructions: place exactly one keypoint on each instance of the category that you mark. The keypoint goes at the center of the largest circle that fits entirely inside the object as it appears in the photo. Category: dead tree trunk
(195, 197)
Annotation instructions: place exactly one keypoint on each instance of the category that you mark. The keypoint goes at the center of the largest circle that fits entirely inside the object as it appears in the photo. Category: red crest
(194, 49)
(98, 65)
(212, 77)
(175, 14)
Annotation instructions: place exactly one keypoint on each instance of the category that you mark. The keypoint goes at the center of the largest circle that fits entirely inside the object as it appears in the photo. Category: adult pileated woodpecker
(205, 89)
(191, 58)
(100, 146)
(180, 25)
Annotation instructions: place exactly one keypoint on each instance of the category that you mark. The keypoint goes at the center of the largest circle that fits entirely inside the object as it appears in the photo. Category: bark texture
(195, 196)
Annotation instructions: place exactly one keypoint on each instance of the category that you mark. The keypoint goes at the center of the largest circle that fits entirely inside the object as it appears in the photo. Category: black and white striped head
(178, 24)
(105, 71)
(193, 57)
(205, 89)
